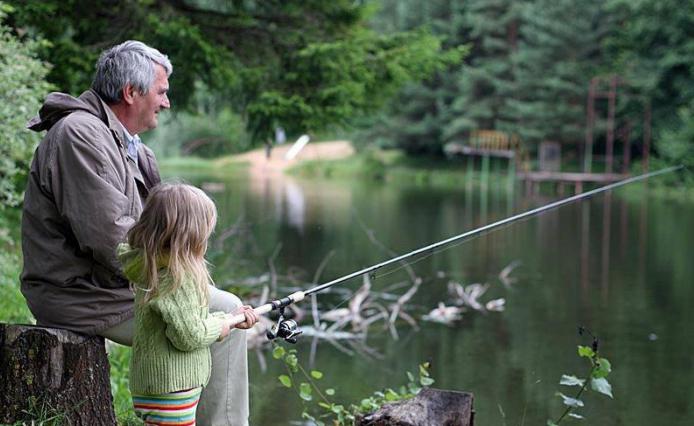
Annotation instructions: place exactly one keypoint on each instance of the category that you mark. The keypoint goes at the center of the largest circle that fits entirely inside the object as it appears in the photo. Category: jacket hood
(58, 105)
(133, 262)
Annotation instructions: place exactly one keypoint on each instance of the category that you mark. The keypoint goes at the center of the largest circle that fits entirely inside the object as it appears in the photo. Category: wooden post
(590, 123)
(611, 100)
(626, 155)
(429, 407)
(485, 170)
(511, 172)
(49, 372)
(646, 136)
(470, 170)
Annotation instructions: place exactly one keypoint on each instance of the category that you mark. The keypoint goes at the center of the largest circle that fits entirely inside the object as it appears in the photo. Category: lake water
(620, 266)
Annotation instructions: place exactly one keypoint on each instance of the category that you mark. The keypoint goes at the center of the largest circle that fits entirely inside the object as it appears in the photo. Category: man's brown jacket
(83, 194)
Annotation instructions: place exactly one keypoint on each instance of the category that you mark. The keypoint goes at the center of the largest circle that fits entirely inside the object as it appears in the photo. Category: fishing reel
(286, 329)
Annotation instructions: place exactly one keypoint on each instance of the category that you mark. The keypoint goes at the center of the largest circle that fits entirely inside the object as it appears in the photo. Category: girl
(164, 259)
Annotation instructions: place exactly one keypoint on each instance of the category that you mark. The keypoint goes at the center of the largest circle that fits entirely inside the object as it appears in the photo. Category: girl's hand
(249, 314)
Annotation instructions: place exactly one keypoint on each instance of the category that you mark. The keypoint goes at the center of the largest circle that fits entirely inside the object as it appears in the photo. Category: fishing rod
(288, 329)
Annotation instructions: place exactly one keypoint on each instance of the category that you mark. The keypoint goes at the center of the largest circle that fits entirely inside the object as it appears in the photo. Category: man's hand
(249, 314)
(250, 319)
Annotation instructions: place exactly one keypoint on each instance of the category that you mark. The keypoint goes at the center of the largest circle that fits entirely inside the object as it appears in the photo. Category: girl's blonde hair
(172, 232)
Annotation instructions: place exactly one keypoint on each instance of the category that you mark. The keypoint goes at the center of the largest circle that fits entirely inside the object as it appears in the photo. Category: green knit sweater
(172, 335)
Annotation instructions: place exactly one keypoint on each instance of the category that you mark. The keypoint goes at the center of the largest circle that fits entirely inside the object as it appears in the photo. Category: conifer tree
(484, 82)
(559, 50)
(417, 117)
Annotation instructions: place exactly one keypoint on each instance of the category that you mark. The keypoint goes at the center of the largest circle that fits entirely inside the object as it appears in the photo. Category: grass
(13, 307)
(394, 166)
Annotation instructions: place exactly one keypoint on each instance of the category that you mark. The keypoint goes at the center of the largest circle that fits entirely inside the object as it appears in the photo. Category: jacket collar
(105, 113)
(58, 105)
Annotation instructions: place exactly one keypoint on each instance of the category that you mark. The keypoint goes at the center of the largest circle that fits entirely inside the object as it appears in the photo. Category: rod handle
(264, 309)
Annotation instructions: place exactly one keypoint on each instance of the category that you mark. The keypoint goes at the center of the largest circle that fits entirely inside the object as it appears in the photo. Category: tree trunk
(51, 373)
(429, 408)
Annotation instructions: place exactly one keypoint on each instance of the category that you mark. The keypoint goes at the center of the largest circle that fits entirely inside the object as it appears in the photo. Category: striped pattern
(171, 409)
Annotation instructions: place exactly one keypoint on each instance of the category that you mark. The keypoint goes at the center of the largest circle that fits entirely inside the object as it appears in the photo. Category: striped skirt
(176, 408)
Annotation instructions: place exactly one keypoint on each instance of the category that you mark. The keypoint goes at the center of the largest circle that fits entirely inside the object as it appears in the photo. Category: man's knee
(221, 300)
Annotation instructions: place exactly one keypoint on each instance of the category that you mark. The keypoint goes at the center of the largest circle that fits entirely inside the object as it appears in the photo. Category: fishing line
(288, 329)
(467, 235)
(454, 245)
(425, 256)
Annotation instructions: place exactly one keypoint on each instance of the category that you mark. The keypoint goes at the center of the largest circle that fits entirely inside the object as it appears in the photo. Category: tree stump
(51, 373)
(431, 407)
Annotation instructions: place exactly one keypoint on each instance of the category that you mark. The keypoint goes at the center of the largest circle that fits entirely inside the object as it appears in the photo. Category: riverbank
(338, 160)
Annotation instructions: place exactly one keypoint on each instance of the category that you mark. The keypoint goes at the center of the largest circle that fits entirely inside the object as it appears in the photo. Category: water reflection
(620, 266)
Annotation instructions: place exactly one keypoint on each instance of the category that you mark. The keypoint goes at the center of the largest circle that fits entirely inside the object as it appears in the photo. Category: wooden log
(51, 373)
(430, 407)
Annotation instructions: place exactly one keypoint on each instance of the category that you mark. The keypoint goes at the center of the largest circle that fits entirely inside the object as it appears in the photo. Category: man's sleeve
(88, 184)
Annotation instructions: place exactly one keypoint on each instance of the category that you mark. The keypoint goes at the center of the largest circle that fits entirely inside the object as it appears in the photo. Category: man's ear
(129, 93)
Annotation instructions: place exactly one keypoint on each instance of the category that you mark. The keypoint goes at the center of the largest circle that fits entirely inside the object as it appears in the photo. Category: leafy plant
(600, 368)
(119, 359)
(322, 403)
(24, 85)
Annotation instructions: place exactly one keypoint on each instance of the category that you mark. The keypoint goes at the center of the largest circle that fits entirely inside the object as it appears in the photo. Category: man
(89, 178)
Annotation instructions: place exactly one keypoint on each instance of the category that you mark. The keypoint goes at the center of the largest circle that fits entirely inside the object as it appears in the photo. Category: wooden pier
(561, 179)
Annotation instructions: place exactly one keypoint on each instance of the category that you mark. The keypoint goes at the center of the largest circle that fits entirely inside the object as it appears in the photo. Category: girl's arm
(189, 326)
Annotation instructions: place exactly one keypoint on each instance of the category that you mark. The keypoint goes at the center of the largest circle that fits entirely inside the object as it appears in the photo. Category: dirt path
(277, 163)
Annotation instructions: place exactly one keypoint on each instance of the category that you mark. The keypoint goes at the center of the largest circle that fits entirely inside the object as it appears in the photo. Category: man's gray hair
(131, 62)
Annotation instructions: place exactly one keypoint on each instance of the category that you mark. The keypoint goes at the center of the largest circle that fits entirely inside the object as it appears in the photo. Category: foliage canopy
(303, 65)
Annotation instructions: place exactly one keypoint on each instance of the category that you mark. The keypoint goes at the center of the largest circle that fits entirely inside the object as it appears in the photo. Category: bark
(51, 373)
(431, 407)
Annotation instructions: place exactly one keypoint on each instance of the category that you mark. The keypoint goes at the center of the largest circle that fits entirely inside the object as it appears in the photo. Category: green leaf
(391, 395)
(551, 423)
(330, 392)
(603, 368)
(424, 369)
(368, 404)
(325, 405)
(413, 388)
(305, 391)
(571, 381)
(292, 361)
(585, 351)
(278, 352)
(571, 402)
(602, 385)
(410, 376)
(337, 409)
(426, 381)
(316, 374)
(285, 380)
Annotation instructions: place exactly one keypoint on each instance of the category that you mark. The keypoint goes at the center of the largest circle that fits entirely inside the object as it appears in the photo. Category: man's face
(148, 106)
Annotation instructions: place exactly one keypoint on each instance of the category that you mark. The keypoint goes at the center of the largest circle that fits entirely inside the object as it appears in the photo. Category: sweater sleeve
(189, 326)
